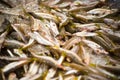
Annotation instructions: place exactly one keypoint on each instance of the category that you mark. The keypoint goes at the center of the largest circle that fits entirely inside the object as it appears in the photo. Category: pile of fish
(59, 40)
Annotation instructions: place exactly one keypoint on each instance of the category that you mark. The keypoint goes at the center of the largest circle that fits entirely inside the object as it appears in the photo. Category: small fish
(14, 11)
(45, 16)
(13, 58)
(51, 73)
(49, 61)
(84, 53)
(99, 12)
(33, 69)
(17, 29)
(40, 72)
(78, 67)
(84, 34)
(95, 15)
(64, 5)
(71, 72)
(71, 42)
(113, 35)
(40, 39)
(16, 65)
(96, 47)
(101, 42)
(83, 5)
(63, 18)
(38, 49)
(88, 27)
(54, 28)
(20, 53)
(13, 43)
(75, 58)
(2, 38)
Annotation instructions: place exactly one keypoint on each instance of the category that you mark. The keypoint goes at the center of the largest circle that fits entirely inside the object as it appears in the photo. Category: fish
(13, 43)
(59, 39)
(97, 48)
(16, 64)
(12, 58)
(63, 18)
(17, 29)
(70, 54)
(2, 38)
(40, 39)
(45, 16)
(49, 61)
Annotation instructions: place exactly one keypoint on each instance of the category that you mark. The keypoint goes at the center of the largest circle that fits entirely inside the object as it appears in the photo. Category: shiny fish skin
(59, 40)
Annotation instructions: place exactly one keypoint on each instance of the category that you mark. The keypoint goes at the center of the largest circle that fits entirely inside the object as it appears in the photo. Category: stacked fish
(59, 40)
